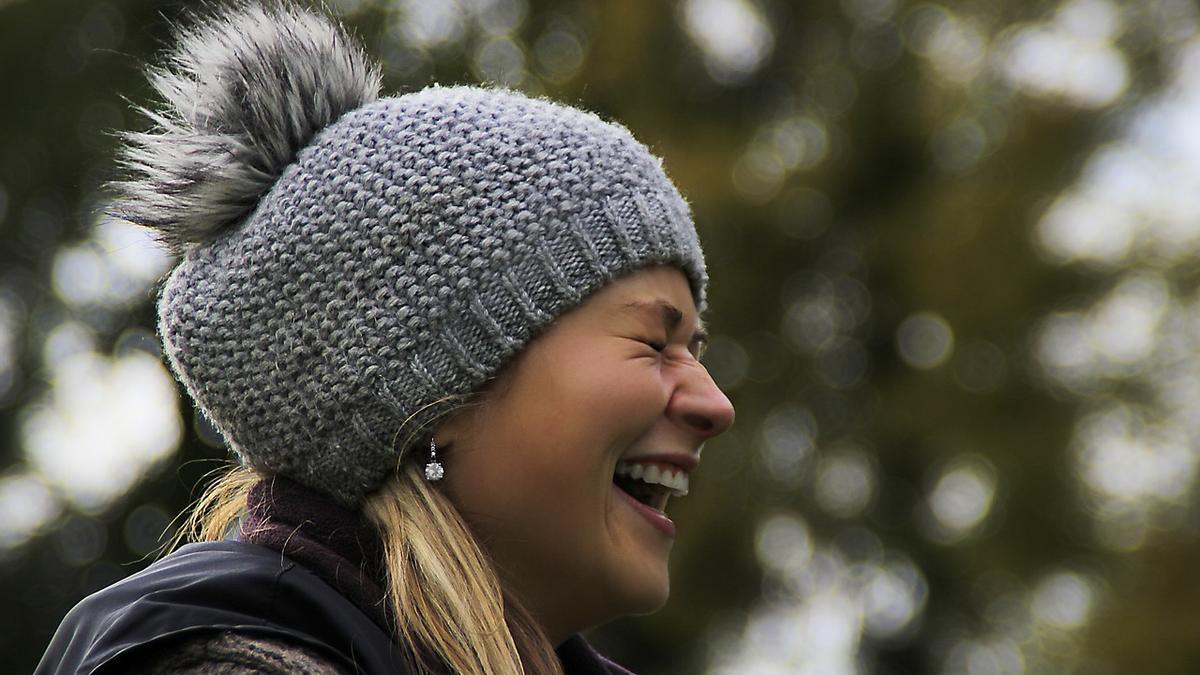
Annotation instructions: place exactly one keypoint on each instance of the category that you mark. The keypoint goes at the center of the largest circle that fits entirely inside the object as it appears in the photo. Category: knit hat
(352, 268)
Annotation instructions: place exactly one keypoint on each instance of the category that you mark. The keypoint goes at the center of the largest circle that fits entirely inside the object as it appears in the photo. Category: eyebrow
(672, 316)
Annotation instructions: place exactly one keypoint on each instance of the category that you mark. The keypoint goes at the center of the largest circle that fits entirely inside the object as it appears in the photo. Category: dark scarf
(342, 548)
(333, 542)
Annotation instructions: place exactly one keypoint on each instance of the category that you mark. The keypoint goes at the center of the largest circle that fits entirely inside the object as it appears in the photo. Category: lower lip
(656, 518)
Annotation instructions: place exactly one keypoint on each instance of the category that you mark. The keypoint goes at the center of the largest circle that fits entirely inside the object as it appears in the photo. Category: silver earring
(433, 469)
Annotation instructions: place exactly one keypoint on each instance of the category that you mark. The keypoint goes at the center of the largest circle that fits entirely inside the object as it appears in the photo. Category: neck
(523, 604)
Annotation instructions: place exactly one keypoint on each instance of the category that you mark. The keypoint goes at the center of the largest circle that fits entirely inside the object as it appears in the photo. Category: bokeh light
(829, 604)
(28, 506)
(103, 425)
(1064, 600)
(925, 340)
(954, 46)
(788, 442)
(845, 481)
(114, 267)
(1073, 56)
(960, 499)
(733, 36)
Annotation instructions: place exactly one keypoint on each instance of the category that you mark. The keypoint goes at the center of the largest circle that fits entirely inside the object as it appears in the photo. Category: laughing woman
(452, 338)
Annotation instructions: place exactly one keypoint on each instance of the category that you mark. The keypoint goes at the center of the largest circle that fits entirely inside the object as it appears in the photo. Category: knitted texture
(410, 250)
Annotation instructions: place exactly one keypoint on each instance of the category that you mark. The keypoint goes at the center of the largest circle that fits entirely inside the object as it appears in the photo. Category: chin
(647, 595)
(615, 593)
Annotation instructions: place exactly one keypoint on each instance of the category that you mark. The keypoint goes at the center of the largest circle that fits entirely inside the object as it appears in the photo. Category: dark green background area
(884, 223)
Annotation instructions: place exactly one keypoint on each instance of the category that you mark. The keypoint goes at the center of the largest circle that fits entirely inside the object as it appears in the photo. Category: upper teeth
(676, 479)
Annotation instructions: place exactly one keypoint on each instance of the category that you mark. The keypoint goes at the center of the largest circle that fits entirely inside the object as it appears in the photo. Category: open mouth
(651, 483)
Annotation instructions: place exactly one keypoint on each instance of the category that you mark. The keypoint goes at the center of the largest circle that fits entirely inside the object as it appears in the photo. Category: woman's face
(613, 382)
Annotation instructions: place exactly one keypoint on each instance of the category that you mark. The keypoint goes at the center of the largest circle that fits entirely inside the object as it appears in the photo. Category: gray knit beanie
(352, 268)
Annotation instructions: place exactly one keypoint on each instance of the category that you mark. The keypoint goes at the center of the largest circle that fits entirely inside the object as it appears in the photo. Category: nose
(699, 405)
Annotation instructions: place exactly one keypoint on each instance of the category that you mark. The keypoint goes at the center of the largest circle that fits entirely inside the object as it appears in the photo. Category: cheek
(537, 511)
(588, 405)
(542, 454)
(627, 404)
(618, 389)
(532, 471)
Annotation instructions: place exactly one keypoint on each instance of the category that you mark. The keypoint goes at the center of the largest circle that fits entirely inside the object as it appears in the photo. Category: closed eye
(658, 345)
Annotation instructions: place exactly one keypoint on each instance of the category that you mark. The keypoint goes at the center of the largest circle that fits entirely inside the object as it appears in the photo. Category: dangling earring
(433, 469)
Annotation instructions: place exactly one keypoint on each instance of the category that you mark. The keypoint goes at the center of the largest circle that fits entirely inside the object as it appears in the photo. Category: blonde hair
(451, 612)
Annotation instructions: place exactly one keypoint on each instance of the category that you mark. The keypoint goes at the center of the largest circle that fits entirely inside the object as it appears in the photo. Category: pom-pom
(242, 93)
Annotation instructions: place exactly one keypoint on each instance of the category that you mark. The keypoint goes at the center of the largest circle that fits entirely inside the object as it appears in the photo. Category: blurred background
(955, 300)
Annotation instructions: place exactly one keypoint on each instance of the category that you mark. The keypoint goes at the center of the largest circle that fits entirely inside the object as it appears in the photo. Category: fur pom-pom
(242, 92)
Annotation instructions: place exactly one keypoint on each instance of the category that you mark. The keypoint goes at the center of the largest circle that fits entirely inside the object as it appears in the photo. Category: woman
(452, 338)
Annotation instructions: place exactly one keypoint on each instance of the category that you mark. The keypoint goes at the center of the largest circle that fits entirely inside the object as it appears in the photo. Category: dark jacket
(303, 572)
